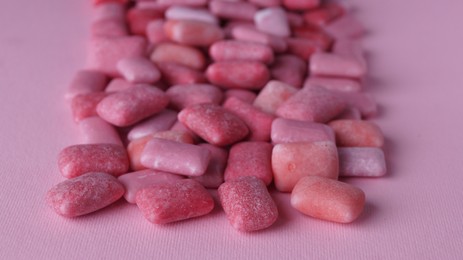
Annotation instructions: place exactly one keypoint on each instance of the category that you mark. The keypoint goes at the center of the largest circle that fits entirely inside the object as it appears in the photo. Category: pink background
(415, 212)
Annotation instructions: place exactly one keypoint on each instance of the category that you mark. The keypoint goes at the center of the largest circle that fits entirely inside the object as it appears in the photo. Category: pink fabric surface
(415, 212)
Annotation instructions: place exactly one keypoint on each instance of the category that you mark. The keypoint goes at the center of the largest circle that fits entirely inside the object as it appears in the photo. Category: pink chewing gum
(185, 95)
(300, 4)
(293, 131)
(105, 52)
(251, 34)
(118, 84)
(175, 157)
(155, 32)
(127, 107)
(214, 124)
(250, 159)
(289, 69)
(108, 10)
(108, 28)
(361, 162)
(304, 48)
(238, 74)
(84, 105)
(295, 19)
(273, 95)
(229, 50)
(76, 160)
(169, 202)
(247, 204)
(193, 3)
(362, 101)
(84, 194)
(233, 10)
(157, 123)
(214, 175)
(292, 161)
(94, 130)
(312, 103)
(336, 84)
(324, 14)
(85, 82)
(344, 27)
(189, 13)
(328, 199)
(138, 70)
(175, 74)
(138, 19)
(357, 133)
(195, 33)
(266, 3)
(272, 20)
(258, 122)
(135, 147)
(180, 54)
(244, 95)
(350, 113)
(135, 181)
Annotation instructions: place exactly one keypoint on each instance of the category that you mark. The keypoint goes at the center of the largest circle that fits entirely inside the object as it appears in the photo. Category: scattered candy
(240, 96)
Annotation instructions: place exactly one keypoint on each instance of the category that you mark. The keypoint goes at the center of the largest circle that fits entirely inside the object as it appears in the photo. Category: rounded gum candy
(84, 105)
(229, 50)
(233, 10)
(361, 162)
(84, 194)
(290, 69)
(174, 201)
(94, 130)
(189, 13)
(214, 175)
(138, 70)
(242, 94)
(324, 14)
(250, 159)
(214, 124)
(272, 20)
(180, 54)
(337, 84)
(185, 95)
(273, 95)
(251, 34)
(247, 204)
(130, 106)
(292, 161)
(138, 19)
(293, 131)
(328, 199)
(195, 33)
(162, 121)
(238, 74)
(174, 74)
(76, 160)
(108, 28)
(300, 4)
(357, 133)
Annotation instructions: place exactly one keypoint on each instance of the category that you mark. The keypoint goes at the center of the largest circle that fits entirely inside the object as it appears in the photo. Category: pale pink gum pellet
(266, 3)
(79, 159)
(273, 95)
(155, 32)
(238, 74)
(174, 74)
(272, 20)
(232, 24)
(175, 157)
(94, 130)
(180, 127)
(248, 204)
(362, 101)
(130, 106)
(139, 18)
(135, 181)
(292, 161)
(195, 33)
(328, 199)
(312, 103)
(250, 159)
(361, 162)
(135, 147)
(118, 84)
(337, 84)
(300, 4)
(159, 122)
(169, 202)
(180, 54)
(349, 113)
(233, 10)
(84, 105)
(245, 95)
(357, 133)
(213, 177)
(188, 13)
(229, 50)
(185, 95)
(193, 3)
(344, 27)
(315, 34)
(84, 194)
(295, 19)
(109, 27)
(258, 122)
(86, 81)
(105, 52)
(292, 131)
(138, 70)
(214, 124)
(304, 48)
(290, 69)
(108, 11)
(247, 33)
